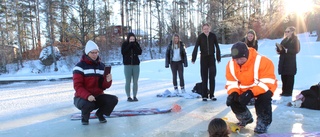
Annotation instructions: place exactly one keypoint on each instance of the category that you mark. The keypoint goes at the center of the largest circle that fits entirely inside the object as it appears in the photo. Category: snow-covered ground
(38, 109)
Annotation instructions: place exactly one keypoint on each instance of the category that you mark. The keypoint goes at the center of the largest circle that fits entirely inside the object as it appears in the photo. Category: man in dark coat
(209, 47)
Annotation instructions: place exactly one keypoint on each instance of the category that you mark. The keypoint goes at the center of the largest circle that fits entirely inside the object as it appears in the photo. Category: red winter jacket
(88, 78)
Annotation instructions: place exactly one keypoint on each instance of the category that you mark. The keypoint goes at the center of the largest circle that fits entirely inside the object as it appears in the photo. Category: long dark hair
(218, 128)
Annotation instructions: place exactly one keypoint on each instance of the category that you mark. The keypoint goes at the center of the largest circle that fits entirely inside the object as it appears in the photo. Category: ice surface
(43, 109)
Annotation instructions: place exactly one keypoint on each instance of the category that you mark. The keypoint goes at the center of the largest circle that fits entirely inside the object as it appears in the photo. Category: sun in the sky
(298, 6)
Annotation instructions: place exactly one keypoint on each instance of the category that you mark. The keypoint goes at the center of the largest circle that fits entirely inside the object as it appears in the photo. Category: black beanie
(239, 50)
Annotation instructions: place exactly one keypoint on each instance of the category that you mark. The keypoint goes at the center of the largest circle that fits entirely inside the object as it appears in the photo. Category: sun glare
(298, 6)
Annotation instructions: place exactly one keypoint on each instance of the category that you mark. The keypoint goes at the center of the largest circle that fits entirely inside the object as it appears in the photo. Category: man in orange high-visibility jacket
(250, 75)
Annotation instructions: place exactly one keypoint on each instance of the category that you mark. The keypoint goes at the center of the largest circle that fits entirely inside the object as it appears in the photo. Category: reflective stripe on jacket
(88, 78)
(259, 77)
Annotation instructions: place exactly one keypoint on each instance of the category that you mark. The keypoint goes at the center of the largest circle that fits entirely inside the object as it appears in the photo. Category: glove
(245, 97)
(131, 44)
(91, 98)
(232, 98)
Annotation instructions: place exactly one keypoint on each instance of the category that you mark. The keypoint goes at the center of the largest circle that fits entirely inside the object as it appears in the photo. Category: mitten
(245, 97)
(232, 98)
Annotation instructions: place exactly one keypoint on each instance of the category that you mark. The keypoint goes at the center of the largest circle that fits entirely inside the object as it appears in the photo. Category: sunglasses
(286, 31)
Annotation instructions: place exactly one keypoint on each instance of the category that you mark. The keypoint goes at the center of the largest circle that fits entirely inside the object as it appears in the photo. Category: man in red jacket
(250, 75)
(89, 84)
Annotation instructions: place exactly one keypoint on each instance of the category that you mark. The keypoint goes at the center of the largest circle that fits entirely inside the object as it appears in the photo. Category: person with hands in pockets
(176, 56)
(89, 84)
(250, 75)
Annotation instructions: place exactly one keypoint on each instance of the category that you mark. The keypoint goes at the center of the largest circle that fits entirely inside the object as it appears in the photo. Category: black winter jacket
(130, 52)
(208, 46)
(311, 98)
(252, 44)
(169, 55)
(287, 59)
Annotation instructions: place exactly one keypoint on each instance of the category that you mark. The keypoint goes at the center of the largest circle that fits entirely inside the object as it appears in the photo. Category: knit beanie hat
(90, 46)
(239, 50)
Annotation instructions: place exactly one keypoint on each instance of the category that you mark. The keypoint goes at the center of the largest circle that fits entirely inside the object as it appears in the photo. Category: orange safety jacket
(257, 75)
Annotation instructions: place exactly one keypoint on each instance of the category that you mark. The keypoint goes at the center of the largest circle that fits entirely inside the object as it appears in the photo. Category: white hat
(90, 46)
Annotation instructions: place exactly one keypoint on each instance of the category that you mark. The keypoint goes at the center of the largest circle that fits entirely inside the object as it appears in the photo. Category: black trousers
(177, 68)
(262, 106)
(105, 104)
(208, 69)
(287, 84)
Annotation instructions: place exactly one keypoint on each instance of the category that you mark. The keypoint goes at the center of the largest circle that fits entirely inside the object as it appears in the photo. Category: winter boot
(101, 117)
(213, 99)
(260, 128)
(85, 119)
(130, 99)
(244, 118)
(263, 122)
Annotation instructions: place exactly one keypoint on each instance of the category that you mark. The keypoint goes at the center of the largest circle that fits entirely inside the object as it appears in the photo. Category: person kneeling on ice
(89, 83)
(218, 128)
(309, 98)
(250, 75)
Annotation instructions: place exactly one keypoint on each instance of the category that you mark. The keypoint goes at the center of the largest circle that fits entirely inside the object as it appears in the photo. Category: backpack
(198, 88)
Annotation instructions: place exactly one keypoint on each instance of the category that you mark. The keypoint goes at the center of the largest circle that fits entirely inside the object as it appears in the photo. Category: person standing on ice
(176, 56)
(209, 47)
(250, 75)
(287, 67)
(89, 84)
(130, 51)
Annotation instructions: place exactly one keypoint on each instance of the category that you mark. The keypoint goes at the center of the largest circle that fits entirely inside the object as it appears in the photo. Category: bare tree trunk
(94, 20)
(150, 46)
(122, 20)
(127, 13)
(223, 34)
(145, 17)
(138, 18)
(38, 25)
(32, 29)
(50, 29)
(159, 23)
(19, 42)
